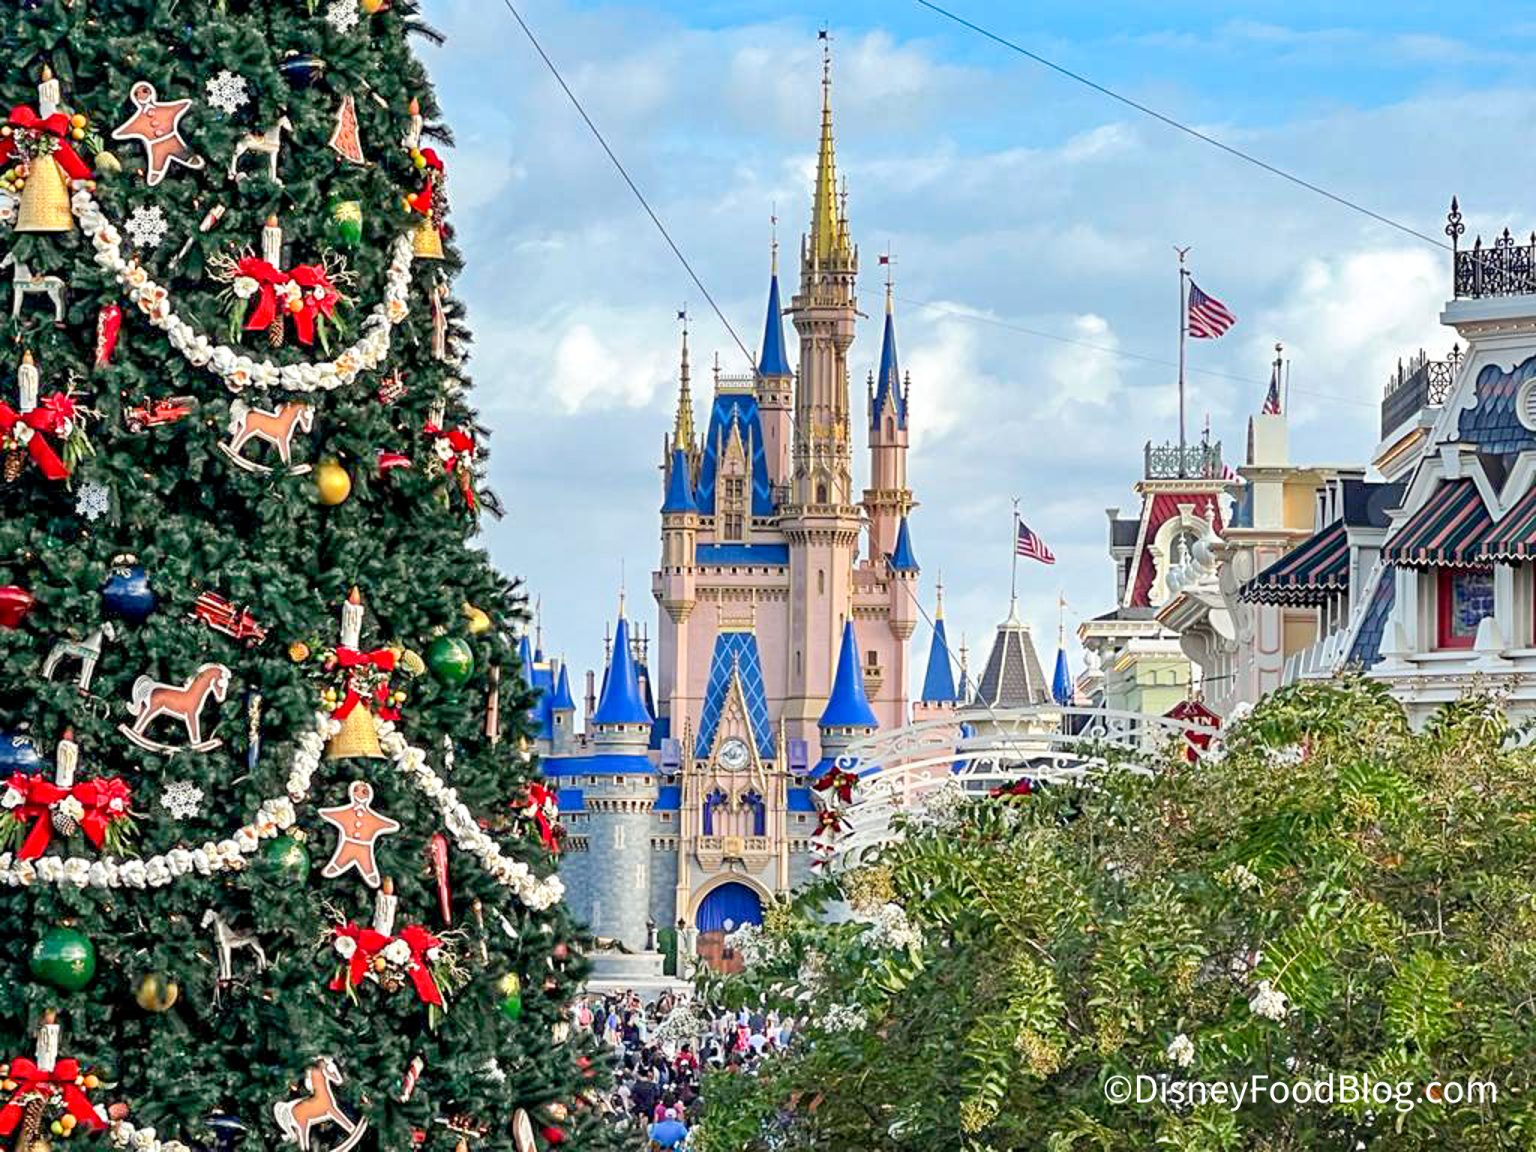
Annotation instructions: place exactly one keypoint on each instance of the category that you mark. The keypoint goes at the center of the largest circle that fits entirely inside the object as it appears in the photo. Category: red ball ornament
(15, 603)
(553, 1135)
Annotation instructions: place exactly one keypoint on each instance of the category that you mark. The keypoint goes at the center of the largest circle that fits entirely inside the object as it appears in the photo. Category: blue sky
(1012, 197)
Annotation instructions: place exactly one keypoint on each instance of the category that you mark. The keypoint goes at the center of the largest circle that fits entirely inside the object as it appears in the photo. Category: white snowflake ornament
(227, 92)
(182, 799)
(93, 500)
(342, 15)
(147, 226)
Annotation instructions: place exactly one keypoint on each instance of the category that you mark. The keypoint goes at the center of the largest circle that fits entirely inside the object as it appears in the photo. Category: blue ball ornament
(126, 593)
(18, 754)
(302, 69)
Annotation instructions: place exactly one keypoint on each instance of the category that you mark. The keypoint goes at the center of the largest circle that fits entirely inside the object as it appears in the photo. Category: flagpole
(1013, 582)
(1183, 329)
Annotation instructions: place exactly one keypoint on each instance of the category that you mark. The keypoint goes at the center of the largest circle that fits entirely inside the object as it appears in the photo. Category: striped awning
(1308, 574)
(1445, 532)
(1513, 538)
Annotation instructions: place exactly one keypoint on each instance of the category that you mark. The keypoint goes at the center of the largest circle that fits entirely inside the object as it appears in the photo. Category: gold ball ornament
(476, 619)
(298, 651)
(78, 121)
(156, 992)
(332, 483)
(374, 7)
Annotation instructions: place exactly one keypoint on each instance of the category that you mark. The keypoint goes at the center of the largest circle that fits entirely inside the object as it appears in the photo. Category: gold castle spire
(829, 232)
(682, 427)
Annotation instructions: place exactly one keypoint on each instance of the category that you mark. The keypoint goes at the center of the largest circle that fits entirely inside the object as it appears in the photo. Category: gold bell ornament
(359, 736)
(43, 141)
(427, 243)
(44, 202)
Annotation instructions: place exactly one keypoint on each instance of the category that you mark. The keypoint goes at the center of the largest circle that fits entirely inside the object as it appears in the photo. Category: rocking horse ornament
(152, 700)
(275, 428)
(268, 144)
(298, 1118)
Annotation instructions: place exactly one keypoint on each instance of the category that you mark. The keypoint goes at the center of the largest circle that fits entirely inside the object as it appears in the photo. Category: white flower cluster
(754, 945)
(1268, 1002)
(278, 815)
(237, 370)
(1241, 877)
(890, 928)
(1181, 1050)
(844, 1018)
(125, 1135)
(683, 1023)
(812, 976)
(944, 807)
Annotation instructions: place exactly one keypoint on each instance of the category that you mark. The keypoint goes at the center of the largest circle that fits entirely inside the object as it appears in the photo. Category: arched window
(821, 492)
(714, 800)
(759, 810)
(821, 581)
(890, 428)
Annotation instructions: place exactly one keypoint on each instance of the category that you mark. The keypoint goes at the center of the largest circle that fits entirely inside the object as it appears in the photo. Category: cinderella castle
(786, 603)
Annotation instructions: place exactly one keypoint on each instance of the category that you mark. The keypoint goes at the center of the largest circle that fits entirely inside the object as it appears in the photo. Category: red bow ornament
(543, 808)
(413, 950)
(306, 293)
(93, 804)
(32, 1081)
(839, 782)
(54, 416)
(380, 659)
(456, 449)
(32, 135)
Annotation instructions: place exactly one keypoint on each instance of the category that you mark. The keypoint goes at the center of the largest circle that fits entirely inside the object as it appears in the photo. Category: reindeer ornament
(298, 1118)
(276, 428)
(152, 700)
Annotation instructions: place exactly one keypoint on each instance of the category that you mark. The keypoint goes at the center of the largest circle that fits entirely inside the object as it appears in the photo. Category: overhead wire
(1204, 137)
(623, 172)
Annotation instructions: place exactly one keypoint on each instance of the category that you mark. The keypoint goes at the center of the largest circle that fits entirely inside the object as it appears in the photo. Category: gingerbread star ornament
(359, 827)
(157, 125)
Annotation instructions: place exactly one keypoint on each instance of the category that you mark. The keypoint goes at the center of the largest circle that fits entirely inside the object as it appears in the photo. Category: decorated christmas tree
(272, 866)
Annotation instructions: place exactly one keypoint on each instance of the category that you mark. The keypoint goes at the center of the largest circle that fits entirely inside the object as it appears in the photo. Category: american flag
(1208, 316)
(1031, 547)
(1272, 400)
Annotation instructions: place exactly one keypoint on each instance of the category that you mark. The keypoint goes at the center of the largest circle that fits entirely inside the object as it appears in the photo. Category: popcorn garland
(278, 815)
(237, 370)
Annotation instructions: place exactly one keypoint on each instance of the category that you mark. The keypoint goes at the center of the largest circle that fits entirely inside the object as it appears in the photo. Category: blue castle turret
(847, 716)
(939, 680)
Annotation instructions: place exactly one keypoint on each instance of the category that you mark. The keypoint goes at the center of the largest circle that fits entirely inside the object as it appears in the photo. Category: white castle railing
(986, 750)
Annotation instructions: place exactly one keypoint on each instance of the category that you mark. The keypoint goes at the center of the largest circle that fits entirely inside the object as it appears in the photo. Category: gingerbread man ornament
(157, 125)
(359, 827)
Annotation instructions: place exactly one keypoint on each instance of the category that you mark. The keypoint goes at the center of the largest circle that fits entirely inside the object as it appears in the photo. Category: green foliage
(197, 523)
(1332, 895)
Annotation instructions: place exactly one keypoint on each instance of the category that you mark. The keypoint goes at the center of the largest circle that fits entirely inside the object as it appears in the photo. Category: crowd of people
(662, 1048)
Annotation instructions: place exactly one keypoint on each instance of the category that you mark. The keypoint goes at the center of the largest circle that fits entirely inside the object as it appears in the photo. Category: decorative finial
(773, 232)
(1454, 228)
(938, 609)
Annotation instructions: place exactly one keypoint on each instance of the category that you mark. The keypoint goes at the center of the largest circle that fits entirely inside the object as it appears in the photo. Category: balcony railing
(1417, 384)
(1507, 267)
(1168, 462)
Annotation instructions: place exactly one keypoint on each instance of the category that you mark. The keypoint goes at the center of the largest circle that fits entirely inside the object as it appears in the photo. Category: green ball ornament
(346, 222)
(451, 661)
(65, 958)
(284, 858)
(511, 989)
